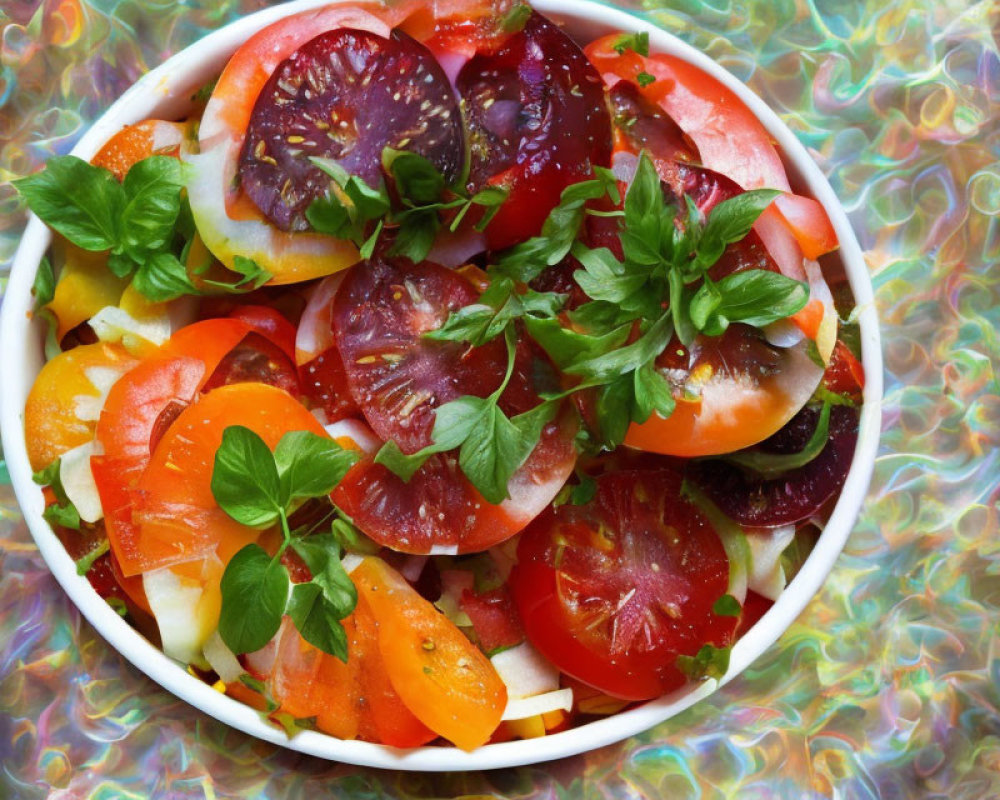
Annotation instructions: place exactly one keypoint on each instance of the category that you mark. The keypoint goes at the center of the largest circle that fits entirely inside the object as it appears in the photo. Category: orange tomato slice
(443, 678)
(63, 406)
(177, 516)
(136, 142)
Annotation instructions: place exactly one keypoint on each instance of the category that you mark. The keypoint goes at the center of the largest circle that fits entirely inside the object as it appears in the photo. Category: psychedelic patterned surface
(888, 686)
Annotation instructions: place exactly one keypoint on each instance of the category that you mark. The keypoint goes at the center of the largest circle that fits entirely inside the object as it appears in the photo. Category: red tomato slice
(176, 514)
(438, 510)
(440, 675)
(270, 323)
(534, 128)
(494, 618)
(611, 592)
(730, 138)
(845, 375)
(396, 376)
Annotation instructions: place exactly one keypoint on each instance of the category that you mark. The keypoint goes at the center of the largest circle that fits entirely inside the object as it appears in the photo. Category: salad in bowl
(425, 384)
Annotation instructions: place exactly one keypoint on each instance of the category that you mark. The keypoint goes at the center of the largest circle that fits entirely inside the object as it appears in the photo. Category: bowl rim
(167, 87)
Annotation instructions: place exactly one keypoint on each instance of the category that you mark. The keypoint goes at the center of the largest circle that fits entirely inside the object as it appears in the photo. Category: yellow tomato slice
(442, 677)
(65, 401)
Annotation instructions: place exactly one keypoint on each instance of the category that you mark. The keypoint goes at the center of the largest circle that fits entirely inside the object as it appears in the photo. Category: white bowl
(165, 93)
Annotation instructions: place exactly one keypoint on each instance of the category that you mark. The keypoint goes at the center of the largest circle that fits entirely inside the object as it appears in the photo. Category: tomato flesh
(537, 123)
(611, 592)
(345, 95)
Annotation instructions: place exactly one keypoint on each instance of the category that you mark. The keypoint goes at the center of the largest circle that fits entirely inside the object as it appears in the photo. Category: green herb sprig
(258, 489)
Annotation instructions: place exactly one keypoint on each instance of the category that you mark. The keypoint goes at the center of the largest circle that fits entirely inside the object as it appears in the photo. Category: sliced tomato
(227, 220)
(268, 322)
(438, 510)
(729, 137)
(448, 684)
(345, 95)
(845, 375)
(256, 359)
(537, 123)
(141, 140)
(494, 618)
(65, 400)
(177, 516)
(395, 375)
(612, 591)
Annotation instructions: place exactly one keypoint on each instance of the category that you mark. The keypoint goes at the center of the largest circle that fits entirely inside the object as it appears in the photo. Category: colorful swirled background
(887, 686)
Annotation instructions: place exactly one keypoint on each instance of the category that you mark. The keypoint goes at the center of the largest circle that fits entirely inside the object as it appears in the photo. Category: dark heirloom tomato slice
(799, 493)
(537, 123)
(438, 510)
(396, 376)
(346, 95)
(611, 592)
(256, 359)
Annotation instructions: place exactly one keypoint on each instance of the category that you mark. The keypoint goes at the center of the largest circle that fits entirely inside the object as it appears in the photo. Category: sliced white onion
(412, 567)
(186, 610)
(455, 249)
(624, 165)
(222, 659)
(78, 481)
(351, 561)
(767, 576)
(444, 550)
(453, 583)
(783, 333)
(522, 708)
(315, 332)
(525, 672)
(114, 324)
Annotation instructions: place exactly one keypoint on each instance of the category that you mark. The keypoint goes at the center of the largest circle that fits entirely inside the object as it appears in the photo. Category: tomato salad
(441, 379)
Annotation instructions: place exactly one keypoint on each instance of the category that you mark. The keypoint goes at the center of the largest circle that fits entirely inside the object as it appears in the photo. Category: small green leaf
(401, 464)
(644, 78)
(652, 394)
(254, 593)
(418, 181)
(567, 347)
(616, 363)
(162, 277)
(637, 42)
(310, 465)
(730, 221)
(121, 265)
(614, 410)
(44, 287)
(727, 606)
(710, 662)
(759, 297)
(515, 19)
(62, 512)
(245, 480)
(583, 492)
(415, 236)
(317, 607)
(153, 191)
(84, 564)
(82, 202)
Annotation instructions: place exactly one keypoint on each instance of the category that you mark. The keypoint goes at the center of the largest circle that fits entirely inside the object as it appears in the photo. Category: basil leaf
(44, 286)
(652, 394)
(637, 42)
(644, 79)
(612, 365)
(162, 277)
(494, 449)
(153, 190)
(566, 347)
(730, 221)
(604, 277)
(252, 276)
(415, 236)
(62, 512)
(84, 563)
(317, 607)
(401, 464)
(245, 480)
(515, 19)
(710, 662)
(727, 606)
(418, 181)
(82, 202)
(121, 265)
(310, 465)
(704, 304)
(759, 297)
(614, 410)
(254, 593)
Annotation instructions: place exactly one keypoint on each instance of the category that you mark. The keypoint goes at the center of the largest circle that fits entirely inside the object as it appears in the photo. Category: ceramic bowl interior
(164, 93)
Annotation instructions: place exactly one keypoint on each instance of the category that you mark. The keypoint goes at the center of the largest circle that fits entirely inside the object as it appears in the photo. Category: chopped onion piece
(78, 481)
(355, 431)
(114, 324)
(525, 671)
(222, 659)
(767, 576)
(186, 609)
(351, 561)
(521, 708)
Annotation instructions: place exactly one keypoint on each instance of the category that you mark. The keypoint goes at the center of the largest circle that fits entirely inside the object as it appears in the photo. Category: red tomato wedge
(177, 517)
(612, 591)
(448, 684)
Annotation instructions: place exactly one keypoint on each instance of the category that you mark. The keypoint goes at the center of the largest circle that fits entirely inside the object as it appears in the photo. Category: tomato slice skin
(613, 591)
(141, 140)
(177, 517)
(448, 684)
(395, 375)
(534, 130)
(270, 323)
(65, 385)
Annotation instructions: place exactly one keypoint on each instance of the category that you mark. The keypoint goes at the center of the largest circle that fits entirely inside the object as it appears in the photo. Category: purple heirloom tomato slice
(796, 495)
(613, 591)
(345, 96)
(396, 376)
(537, 122)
